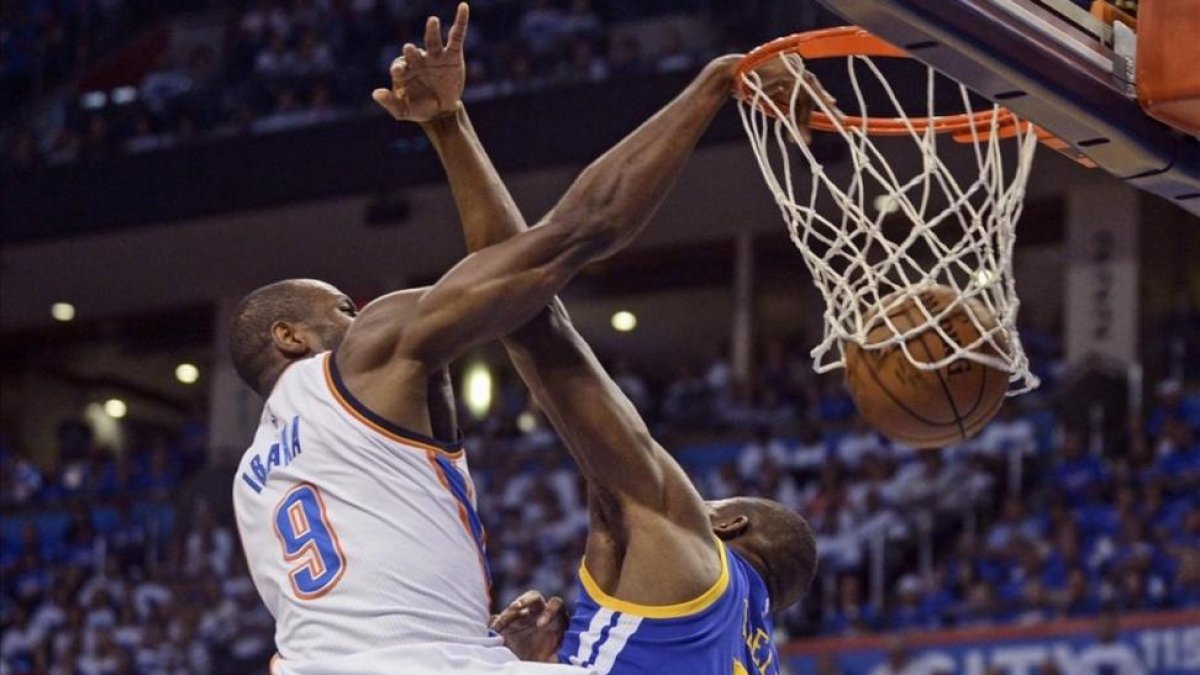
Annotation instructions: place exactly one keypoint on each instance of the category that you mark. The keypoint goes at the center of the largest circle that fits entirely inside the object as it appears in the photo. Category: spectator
(1185, 590)
(625, 56)
(1035, 606)
(1076, 600)
(764, 449)
(314, 57)
(582, 21)
(633, 386)
(674, 57)
(1079, 473)
(980, 607)
(542, 28)
(910, 613)
(861, 440)
(585, 64)
(1014, 525)
(1172, 405)
(810, 453)
(275, 62)
(852, 615)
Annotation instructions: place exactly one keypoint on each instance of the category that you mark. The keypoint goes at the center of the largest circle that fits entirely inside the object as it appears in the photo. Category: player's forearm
(600, 427)
(617, 194)
(498, 288)
(613, 199)
(487, 211)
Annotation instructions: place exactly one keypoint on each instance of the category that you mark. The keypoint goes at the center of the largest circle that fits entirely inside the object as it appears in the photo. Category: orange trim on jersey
(352, 407)
(464, 519)
(315, 565)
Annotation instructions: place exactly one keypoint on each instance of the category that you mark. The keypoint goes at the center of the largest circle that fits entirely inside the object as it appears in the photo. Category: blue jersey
(725, 631)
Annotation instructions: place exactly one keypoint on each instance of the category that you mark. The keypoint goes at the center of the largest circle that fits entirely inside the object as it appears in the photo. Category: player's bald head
(303, 310)
(776, 540)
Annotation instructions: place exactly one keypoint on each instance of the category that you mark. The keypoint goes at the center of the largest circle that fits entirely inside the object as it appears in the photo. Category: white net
(954, 231)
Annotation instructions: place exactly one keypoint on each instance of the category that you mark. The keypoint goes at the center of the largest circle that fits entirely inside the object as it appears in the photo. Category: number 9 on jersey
(308, 539)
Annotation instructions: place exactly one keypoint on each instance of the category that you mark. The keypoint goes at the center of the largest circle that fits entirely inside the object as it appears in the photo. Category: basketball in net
(912, 257)
(925, 408)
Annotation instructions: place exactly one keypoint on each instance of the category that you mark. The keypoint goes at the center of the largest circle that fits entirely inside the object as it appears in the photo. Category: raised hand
(532, 626)
(428, 83)
(778, 80)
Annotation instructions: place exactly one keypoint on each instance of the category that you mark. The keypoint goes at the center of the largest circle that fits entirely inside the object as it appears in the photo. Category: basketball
(926, 408)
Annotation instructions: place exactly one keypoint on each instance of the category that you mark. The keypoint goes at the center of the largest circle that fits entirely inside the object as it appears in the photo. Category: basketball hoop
(959, 235)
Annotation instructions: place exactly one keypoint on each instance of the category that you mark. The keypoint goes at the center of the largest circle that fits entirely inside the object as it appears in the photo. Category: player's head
(284, 322)
(772, 538)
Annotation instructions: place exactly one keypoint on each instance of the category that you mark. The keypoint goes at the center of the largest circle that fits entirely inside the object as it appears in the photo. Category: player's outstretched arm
(499, 288)
(601, 428)
(603, 431)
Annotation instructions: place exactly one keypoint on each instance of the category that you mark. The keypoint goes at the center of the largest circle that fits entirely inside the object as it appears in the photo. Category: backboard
(1051, 62)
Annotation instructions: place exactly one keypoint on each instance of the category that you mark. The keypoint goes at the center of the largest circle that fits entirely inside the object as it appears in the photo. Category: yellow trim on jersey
(675, 611)
(739, 669)
(362, 419)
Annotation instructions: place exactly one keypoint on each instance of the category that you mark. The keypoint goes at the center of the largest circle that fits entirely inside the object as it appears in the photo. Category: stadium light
(115, 408)
(624, 321)
(123, 95)
(62, 311)
(477, 389)
(187, 373)
(94, 100)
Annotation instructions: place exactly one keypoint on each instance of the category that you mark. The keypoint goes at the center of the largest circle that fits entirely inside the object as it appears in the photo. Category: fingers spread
(458, 31)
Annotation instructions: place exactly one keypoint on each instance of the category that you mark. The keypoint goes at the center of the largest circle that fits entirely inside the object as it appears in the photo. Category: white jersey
(362, 538)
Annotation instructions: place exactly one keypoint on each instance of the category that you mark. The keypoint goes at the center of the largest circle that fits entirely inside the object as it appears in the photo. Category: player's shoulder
(377, 329)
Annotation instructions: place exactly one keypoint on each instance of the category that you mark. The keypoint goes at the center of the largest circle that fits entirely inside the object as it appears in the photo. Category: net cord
(862, 273)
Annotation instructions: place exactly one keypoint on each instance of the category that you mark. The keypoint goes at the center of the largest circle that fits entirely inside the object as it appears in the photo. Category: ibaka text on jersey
(280, 454)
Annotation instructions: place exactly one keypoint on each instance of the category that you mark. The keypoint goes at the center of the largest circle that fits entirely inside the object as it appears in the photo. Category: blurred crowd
(113, 564)
(107, 569)
(1028, 522)
(281, 64)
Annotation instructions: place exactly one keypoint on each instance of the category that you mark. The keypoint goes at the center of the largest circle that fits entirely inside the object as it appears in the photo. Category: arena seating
(266, 66)
(122, 565)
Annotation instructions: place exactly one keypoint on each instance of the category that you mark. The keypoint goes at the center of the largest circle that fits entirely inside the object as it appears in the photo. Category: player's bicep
(493, 291)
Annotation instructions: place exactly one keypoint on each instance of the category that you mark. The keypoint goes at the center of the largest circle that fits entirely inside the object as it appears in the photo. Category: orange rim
(854, 41)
